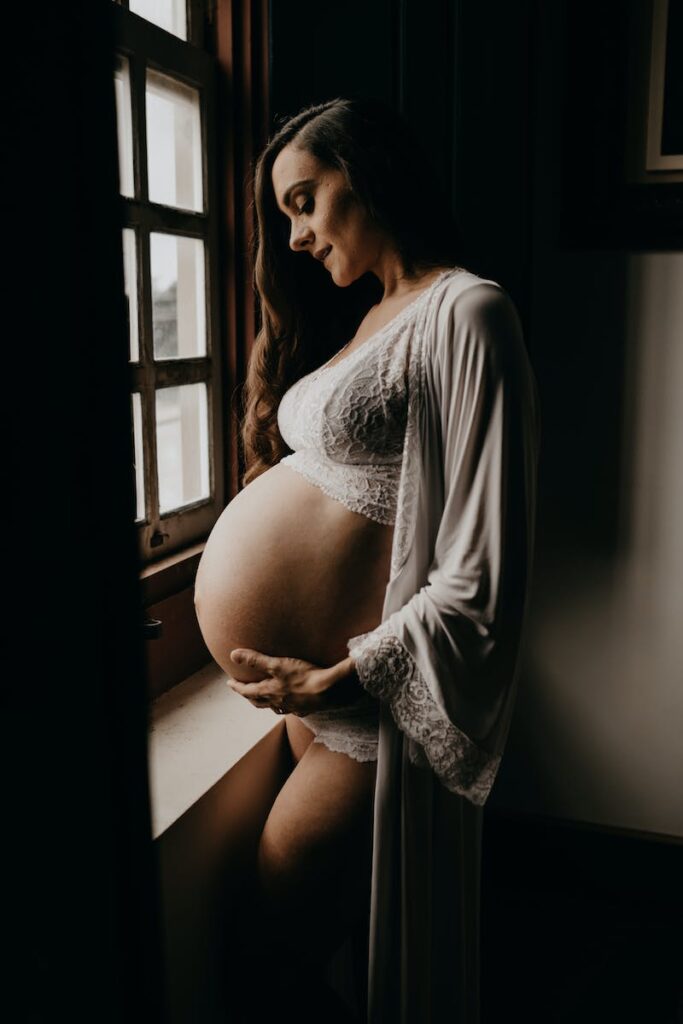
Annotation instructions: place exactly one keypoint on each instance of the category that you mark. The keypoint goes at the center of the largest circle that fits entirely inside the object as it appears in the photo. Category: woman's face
(326, 218)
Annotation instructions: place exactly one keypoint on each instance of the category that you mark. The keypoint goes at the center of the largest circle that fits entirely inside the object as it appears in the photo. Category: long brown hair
(305, 317)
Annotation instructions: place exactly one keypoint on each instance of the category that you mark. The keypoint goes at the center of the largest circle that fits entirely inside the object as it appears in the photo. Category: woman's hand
(290, 685)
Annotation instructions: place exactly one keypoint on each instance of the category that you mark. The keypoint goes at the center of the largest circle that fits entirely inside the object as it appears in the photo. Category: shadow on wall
(594, 736)
(580, 358)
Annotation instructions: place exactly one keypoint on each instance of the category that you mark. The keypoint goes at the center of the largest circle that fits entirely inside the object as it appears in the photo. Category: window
(165, 86)
(191, 81)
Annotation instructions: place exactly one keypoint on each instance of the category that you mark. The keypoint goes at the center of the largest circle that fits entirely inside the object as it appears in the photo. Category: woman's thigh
(315, 851)
(300, 737)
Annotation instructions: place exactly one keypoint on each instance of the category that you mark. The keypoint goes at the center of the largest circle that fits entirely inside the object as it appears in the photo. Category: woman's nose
(300, 237)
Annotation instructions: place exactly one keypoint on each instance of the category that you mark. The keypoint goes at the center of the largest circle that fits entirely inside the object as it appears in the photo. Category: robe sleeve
(446, 661)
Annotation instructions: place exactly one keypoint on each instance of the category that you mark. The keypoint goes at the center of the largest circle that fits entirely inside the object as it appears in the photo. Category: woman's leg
(316, 847)
(300, 737)
(313, 875)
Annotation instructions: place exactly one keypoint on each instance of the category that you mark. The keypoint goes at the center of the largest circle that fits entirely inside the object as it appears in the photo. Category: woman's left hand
(291, 686)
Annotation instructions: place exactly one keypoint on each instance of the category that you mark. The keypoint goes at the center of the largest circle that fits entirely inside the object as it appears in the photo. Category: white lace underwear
(352, 729)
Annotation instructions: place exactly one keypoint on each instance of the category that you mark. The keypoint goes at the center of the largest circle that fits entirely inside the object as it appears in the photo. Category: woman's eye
(306, 208)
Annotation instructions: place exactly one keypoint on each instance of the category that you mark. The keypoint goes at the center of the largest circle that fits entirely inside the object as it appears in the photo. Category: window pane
(130, 282)
(168, 14)
(174, 143)
(124, 125)
(182, 445)
(178, 296)
(138, 465)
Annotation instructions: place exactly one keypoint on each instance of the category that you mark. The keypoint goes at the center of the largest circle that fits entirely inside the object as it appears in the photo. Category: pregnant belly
(289, 571)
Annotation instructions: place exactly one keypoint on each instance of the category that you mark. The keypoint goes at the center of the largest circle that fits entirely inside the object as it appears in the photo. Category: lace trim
(387, 670)
(352, 729)
(356, 749)
(371, 493)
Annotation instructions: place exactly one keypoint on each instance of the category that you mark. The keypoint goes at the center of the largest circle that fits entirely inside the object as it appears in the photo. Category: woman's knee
(292, 862)
(280, 868)
(318, 832)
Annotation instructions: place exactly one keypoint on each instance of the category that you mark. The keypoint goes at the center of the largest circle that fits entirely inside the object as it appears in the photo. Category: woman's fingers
(254, 659)
(260, 692)
(254, 691)
(289, 679)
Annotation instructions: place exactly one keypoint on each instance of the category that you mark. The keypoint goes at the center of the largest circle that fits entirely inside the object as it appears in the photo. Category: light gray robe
(444, 660)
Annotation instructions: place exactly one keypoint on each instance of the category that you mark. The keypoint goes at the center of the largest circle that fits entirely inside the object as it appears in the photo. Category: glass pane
(178, 296)
(174, 143)
(182, 445)
(168, 14)
(138, 465)
(124, 125)
(130, 283)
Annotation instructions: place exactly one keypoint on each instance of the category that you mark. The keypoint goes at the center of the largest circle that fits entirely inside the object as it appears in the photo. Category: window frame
(235, 34)
(146, 46)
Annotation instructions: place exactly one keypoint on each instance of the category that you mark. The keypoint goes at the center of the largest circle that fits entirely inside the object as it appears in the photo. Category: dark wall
(459, 72)
(80, 881)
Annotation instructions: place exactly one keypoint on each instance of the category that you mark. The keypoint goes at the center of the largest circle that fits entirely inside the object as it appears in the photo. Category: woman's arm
(445, 661)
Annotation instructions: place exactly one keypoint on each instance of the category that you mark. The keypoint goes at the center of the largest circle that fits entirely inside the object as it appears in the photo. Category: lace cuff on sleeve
(388, 671)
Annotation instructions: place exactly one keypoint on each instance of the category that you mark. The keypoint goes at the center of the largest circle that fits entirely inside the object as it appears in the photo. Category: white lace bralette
(345, 422)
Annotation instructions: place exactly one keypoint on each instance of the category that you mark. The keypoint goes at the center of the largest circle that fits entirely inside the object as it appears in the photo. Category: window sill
(198, 730)
(167, 595)
(170, 575)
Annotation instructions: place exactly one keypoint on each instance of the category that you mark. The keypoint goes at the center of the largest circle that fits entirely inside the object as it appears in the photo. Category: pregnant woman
(369, 581)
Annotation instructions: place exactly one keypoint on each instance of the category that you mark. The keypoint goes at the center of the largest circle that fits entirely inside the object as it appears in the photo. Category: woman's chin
(341, 279)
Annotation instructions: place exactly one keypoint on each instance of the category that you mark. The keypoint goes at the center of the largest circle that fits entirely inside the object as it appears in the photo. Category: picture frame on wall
(655, 137)
(623, 126)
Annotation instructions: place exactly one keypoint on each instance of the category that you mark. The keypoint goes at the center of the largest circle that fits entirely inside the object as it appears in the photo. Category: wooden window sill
(170, 575)
(167, 596)
(198, 731)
